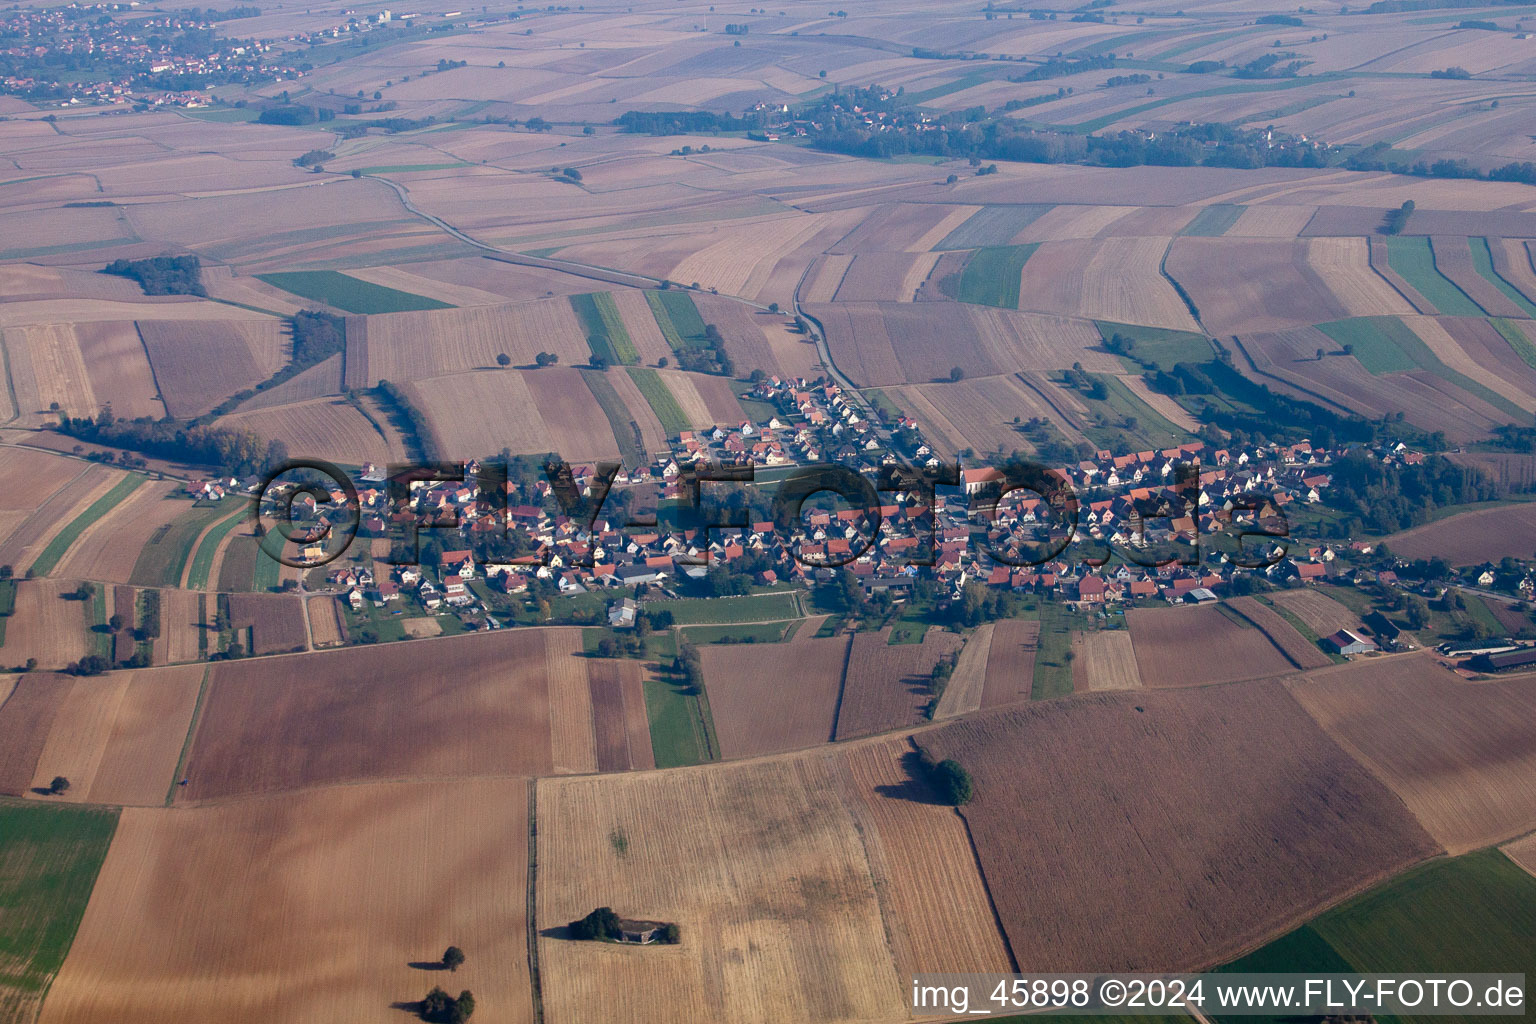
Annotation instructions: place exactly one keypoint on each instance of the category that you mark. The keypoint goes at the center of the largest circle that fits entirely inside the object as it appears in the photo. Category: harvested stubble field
(528, 411)
(1453, 258)
(878, 344)
(117, 737)
(1114, 279)
(623, 732)
(1194, 645)
(181, 626)
(1469, 538)
(977, 413)
(199, 363)
(118, 367)
(389, 346)
(963, 692)
(1298, 650)
(276, 621)
(74, 489)
(1222, 815)
(886, 685)
(28, 478)
(1461, 755)
(47, 367)
(329, 428)
(769, 883)
(325, 621)
(45, 625)
(767, 698)
(405, 870)
(1104, 660)
(1319, 612)
(109, 548)
(1011, 662)
(25, 719)
(452, 707)
(920, 856)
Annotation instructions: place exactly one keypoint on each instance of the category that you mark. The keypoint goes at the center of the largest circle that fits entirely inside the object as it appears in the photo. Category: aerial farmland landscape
(672, 511)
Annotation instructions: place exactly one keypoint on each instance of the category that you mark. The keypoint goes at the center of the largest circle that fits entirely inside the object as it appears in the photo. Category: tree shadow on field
(561, 932)
(427, 965)
(915, 787)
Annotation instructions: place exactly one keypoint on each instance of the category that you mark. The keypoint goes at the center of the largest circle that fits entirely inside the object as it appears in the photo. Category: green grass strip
(1413, 258)
(349, 293)
(991, 275)
(1517, 339)
(625, 431)
(678, 318)
(1213, 221)
(67, 536)
(606, 334)
(1482, 259)
(1053, 671)
(663, 403)
(202, 559)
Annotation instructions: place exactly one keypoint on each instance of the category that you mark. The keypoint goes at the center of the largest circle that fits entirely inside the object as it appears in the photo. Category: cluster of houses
(1144, 505)
(143, 45)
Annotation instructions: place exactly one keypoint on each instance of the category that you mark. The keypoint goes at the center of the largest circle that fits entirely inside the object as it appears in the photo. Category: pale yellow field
(930, 887)
(768, 882)
(570, 702)
(963, 692)
(1105, 661)
(1160, 403)
(745, 252)
(641, 324)
(688, 398)
(330, 428)
(46, 368)
(45, 626)
(1270, 222)
(468, 339)
(1113, 279)
(824, 278)
(324, 621)
(1345, 266)
(196, 912)
(402, 279)
(1523, 852)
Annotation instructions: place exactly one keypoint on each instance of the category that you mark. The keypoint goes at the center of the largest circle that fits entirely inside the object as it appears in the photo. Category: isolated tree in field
(599, 363)
(502, 359)
(602, 923)
(953, 782)
(85, 591)
(956, 373)
(59, 786)
(1319, 355)
(662, 362)
(463, 1007)
(453, 958)
(115, 623)
(1349, 350)
(6, 572)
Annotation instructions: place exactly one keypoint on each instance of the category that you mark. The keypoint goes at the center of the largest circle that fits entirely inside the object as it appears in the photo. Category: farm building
(1524, 658)
(1348, 642)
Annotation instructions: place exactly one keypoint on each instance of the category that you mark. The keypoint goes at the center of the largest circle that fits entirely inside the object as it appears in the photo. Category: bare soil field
(1105, 661)
(25, 719)
(329, 428)
(1298, 650)
(28, 480)
(977, 413)
(619, 719)
(769, 884)
(117, 737)
(767, 698)
(404, 871)
(963, 692)
(1011, 662)
(1468, 538)
(108, 548)
(463, 339)
(198, 364)
(1114, 279)
(451, 707)
(1512, 262)
(925, 872)
(1194, 645)
(885, 277)
(1322, 614)
(1462, 756)
(886, 685)
(276, 621)
(45, 626)
(325, 621)
(1224, 816)
(641, 324)
(1344, 267)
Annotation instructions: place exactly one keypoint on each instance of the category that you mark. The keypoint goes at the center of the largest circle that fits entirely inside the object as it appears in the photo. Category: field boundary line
(842, 687)
(531, 915)
(10, 385)
(186, 744)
